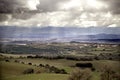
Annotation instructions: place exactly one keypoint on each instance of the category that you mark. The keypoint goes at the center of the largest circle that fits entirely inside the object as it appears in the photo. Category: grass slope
(43, 76)
(11, 69)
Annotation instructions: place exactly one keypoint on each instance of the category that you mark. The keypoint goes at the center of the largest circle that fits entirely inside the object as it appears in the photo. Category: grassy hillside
(63, 63)
(44, 76)
(13, 71)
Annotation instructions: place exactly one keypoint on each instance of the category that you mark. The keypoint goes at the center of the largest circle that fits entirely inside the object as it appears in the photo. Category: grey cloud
(49, 5)
(3, 17)
(22, 15)
(114, 6)
(16, 8)
(10, 6)
(49, 13)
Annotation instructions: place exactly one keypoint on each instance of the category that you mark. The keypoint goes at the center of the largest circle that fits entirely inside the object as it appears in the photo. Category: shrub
(28, 71)
(78, 74)
(30, 63)
(21, 57)
(41, 65)
(96, 58)
(7, 61)
(116, 76)
(108, 74)
(47, 66)
(57, 70)
(84, 65)
(30, 57)
(38, 72)
(22, 62)
(62, 71)
(16, 61)
(54, 69)
(93, 69)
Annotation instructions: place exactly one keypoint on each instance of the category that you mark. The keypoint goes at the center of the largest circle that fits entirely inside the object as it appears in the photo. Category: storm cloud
(81, 13)
(114, 6)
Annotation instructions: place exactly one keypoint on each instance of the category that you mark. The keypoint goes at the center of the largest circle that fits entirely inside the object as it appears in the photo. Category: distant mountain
(103, 36)
(98, 38)
(59, 33)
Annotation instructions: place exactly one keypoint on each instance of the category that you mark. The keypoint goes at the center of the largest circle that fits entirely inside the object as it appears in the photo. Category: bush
(47, 66)
(41, 65)
(30, 63)
(28, 71)
(84, 65)
(92, 69)
(78, 74)
(22, 62)
(109, 74)
(16, 61)
(7, 61)
(30, 57)
(38, 72)
(116, 76)
(52, 69)
(57, 70)
(62, 71)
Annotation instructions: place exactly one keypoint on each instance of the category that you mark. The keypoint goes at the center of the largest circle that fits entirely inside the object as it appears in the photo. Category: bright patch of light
(71, 4)
(6, 22)
(82, 4)
(108, 15)
(95, 4)
(32, 4)
(38, 25)
(112, 25)
(88, 23)
(83, 16)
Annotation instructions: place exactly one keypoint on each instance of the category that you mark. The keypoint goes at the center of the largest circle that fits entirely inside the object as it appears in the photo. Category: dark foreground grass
(13, 71)
(43, 76)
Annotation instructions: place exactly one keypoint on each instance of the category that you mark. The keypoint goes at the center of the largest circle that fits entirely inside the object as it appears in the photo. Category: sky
(62, 13)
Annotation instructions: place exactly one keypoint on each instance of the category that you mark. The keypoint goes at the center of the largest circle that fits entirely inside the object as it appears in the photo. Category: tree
(30, 63)
(41, 65)
(78, 74)
(108, 74)
(28, 71)
(116, 76)
(7, 61)
(47, 66)
(22, 62)
(62, 71)
(17, 61)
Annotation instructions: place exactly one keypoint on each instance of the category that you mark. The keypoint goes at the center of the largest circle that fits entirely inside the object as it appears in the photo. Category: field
(13, 71)
(57, 61)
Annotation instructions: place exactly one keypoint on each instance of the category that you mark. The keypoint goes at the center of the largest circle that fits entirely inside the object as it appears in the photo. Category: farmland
(56, 61)
(65, 50)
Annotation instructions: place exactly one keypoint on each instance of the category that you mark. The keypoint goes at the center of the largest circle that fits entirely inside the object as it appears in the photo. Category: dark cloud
(49, 5)
(3, 17)
(16, 8)
(114, 6)
(9, 6)
(59, 12)
(23, 16)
